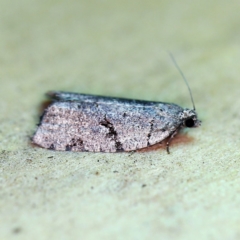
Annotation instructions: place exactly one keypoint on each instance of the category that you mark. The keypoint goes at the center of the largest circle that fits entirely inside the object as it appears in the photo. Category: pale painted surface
(119, 48)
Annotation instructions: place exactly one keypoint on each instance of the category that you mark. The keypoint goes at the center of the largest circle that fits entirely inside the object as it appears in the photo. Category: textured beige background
(119, 48)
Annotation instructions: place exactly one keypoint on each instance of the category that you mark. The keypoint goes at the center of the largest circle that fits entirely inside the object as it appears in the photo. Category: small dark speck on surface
(144, 185)
(16, 230)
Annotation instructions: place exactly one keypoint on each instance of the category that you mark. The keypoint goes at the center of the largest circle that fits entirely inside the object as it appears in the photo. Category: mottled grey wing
(79, 97)
(105, 126)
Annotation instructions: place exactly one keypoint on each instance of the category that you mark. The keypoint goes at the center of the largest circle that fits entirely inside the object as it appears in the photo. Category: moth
(82, 122)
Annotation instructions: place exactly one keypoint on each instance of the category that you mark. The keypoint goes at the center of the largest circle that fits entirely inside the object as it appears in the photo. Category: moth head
(189, 118)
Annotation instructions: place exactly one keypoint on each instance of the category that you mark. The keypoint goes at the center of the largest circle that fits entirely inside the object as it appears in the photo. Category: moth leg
(169, 140)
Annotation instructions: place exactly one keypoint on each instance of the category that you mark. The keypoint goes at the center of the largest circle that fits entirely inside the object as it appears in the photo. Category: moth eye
(189, 123)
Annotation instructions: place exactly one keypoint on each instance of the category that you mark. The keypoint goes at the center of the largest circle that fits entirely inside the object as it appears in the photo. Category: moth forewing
(92, 123)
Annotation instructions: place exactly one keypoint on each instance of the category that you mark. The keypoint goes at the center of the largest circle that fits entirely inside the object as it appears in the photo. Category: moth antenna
(185, 80)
